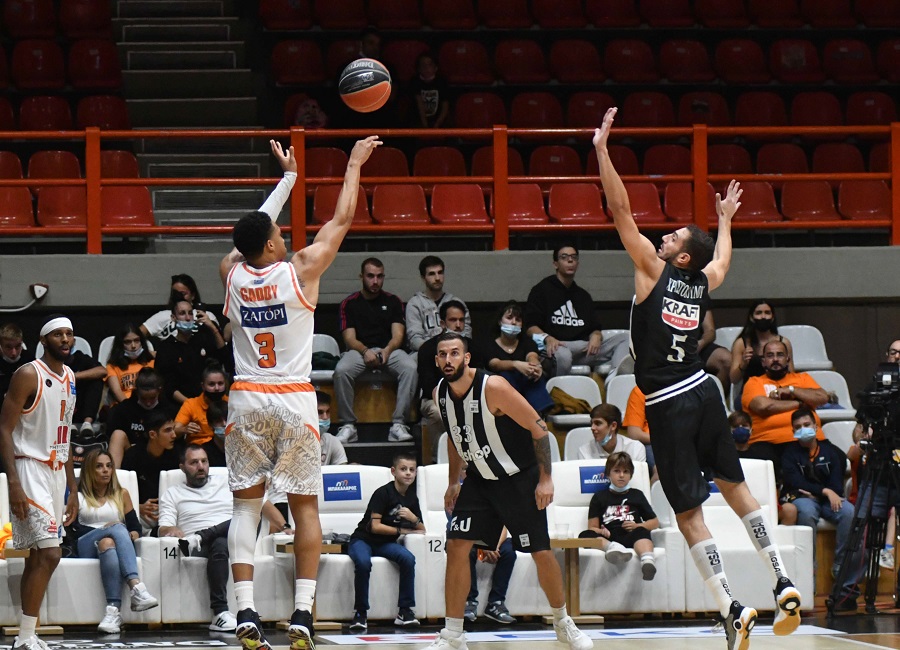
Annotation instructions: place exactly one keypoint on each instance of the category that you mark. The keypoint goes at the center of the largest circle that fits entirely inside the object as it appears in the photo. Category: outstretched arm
(715, 271)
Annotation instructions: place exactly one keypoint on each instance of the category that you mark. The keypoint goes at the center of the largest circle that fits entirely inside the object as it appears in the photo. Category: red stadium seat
(827, 14)
(685, 61)
(341, 14)
(465, 62)
(576, 61)
(586, 109)
(291, 104)
(864, 200)
(125, 206)
(399, 204)
(775, 13)
(385, 161)
(559, 14)
(837, 158)
(880, 157)
(7, 116)
(10, 165)
(703, 108)
(644, 199)
(62, 206)
(118, 164)
(479, 110)
(53, 164)
(678, 203)
(505, 14)
(15, 207)
(623, 159)
(325, 202)
(666, 159)
(871, 108)
(44, 113)
(808, 201)
(285, 15)
(103, 111)
(757, 203)
(29, 19)
(663, 14)
(297, 63)
(439, 161)
(526, 204)
(612, 13)
(760, 108)
(731, 159)
(849, 61)
(554, 160)
(38, 65)
(342, 52)
(94, 65)
(521, 62)
(483, 162)
(459, 14)
(86, 19)
(721, 14)
(459, 203)
(878, 13)
(4, 70)
(816, 109)
(781, 158)
(536, 110)
(741, 61)
(888, 59)
(647, 109)
(579, 203)
(325, 162)
(630, 61)
(395, 14)
(793, 60)
(400, 57)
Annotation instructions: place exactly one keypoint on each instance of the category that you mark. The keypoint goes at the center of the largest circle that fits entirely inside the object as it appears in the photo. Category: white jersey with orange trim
(272, 323)
(42, 432)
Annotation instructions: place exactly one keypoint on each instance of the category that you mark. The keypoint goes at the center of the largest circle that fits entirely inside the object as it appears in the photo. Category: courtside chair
(579, 387)
(618, 390)
(809, 347)
(575, 439)
(840, 433)
(726, 336)
(324, 343)
(834, 382)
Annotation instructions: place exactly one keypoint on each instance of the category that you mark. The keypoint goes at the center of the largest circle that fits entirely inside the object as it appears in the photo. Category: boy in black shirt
(623, 516)
(393, 511)
(148, 458)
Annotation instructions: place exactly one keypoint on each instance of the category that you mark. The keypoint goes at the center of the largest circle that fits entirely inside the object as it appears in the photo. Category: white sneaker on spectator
(568, 632)
(141, 599)
(347, 433)
(31, 643)
(112, 621)
(886, 559)
(223, 622)
(617, 554)
(399, 433)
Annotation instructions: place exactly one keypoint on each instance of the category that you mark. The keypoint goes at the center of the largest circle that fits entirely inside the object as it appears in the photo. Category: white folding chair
(324, 343)
(618, 390)
(840, 433)
(580, 387)
(808, 347)
(725, 336)
(834, 382)
(575, 438)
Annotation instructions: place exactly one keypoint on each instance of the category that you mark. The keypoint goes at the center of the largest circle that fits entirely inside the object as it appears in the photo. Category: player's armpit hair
(542, 452)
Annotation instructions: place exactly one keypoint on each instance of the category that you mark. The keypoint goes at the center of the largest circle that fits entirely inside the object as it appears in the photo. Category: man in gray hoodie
(423, 320)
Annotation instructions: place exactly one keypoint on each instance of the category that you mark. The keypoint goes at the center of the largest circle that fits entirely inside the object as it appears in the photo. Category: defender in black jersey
(506, 447)
(688, 427)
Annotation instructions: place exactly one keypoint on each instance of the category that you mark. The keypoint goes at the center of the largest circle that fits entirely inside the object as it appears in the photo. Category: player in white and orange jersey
(272, 432)
(34, 445)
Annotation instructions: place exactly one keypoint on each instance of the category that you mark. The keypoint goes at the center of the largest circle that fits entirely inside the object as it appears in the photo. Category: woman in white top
(108, 526)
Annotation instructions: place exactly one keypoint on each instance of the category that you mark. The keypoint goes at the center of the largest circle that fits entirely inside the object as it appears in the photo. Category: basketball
(365, 85)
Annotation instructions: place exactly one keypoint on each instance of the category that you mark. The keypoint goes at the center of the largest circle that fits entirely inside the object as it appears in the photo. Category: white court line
(866, 643)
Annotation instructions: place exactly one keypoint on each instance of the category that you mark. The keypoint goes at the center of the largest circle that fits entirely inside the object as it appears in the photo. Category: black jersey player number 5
(678, 351)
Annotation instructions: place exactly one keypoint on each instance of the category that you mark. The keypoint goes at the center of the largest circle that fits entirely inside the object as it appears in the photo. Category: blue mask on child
(624, 488)
(606, 439)
(805, 434)
(323, 426)
(740, 434)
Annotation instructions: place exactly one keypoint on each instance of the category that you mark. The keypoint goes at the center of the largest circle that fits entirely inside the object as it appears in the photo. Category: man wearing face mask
(192, 420)
(128, 420)
(13, 355)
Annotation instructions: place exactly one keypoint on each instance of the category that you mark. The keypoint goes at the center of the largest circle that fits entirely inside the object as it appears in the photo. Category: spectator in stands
(181, 358)
(216, 419)
(373, 331)
(332, 450)
(746, 351)
(606, 419)
(127, 420)
(191, 421)
(106, 530)
(128, 355)
(741, 427)
(89, 378)
(13, 355)
(423, 309)
(430, 93)
(149, 457)
(504, 560)
(813, 472)
(392, 511)
(561, 317)
(716, 359)
(310, 115)
(636, 427)
(771, 398)
(623, 517)
(515, 357)
(161, 324)
(198, 512)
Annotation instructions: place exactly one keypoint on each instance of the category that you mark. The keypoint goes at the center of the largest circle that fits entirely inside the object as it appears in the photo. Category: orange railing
(499, 136)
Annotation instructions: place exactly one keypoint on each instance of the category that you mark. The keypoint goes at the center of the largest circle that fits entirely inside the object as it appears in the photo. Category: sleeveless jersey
(665, 329)
(42, 432)
(494, 447)
(272, 323)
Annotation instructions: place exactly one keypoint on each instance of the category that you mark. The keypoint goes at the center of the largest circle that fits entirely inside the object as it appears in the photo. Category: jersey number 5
(678, 353)
(266, 343)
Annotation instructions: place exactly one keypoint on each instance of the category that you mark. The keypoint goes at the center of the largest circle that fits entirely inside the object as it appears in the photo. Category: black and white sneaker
(406, 618)
(301, 631)
(787, 613)
(359, 622)
(738, 624)
(249, 631)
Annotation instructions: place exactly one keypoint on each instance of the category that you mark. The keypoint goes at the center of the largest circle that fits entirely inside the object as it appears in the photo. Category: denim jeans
(502, 573)
(117, 563)
(362, 552)
(808, 513)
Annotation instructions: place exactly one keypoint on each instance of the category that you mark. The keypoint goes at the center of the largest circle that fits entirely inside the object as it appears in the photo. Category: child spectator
(606, 420)
(128, 355)
(192, 421)
(393, 511)
(622, 517)
(151, 455)
(430, 92)
(332, 450)
(13, 354)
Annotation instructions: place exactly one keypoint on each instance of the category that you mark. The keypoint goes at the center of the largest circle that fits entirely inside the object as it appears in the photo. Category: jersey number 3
(266, 343)
(678, 353)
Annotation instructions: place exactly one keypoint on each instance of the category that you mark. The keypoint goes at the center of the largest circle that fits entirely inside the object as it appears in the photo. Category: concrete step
(174, 57)
(164, 84)
(176, 30)
(190, 199)
(197, 112)
(192, 165)
(169, 8)
(182, 245)
(204, 148)
(198, 217)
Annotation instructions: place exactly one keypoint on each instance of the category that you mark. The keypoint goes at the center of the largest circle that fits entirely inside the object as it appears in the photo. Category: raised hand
(729, 205)
(287, 160)
(363, 149)
(601, 135)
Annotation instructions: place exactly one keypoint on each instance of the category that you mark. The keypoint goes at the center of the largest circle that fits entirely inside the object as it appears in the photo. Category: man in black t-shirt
(89, 378)
(373, 328)
(148, 458)
(127, 419)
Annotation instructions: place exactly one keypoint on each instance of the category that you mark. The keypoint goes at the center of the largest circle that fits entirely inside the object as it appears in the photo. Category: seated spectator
(128, 355)
(216, 420)
(181, 358)
(127, 420)
(392, 511)
(747, 349)
(191, 421)
(13, 354)
(514, 357)
(716, 359)
(622, 517)
(310, 115)
(771, 398)
(89, 378)
(147, 458)
(814, 482)
(199, 512)
(373, 331)
(504, 559)
(332, 450)
(636, 427)
(423, 309)
(161, 325)
(605, 422)
(561, 316)
(106, 530)
(430, 94)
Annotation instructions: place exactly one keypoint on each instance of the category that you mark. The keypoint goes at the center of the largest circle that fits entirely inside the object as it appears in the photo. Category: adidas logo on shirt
(566, 315)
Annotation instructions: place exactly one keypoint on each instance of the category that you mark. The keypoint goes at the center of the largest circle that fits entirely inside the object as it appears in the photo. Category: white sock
(559, 613)
(709, 564)
(243, 593)
(304, 593)
(27, 625)
(647, 558)
(758, 529)
(454, 625)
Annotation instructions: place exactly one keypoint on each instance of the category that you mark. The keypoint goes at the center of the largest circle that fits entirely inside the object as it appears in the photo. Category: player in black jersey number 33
(688, 427)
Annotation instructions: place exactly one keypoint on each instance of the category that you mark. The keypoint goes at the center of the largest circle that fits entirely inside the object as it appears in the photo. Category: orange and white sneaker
(787, 607)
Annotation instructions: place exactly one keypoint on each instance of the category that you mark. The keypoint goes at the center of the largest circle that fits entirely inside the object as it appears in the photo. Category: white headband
(56, 324)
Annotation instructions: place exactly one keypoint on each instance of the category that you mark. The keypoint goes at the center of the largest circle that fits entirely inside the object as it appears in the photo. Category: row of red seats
(521, 61)
(92, 64)
(67, 206)
(575, 14)
(114, 163)
(53, 113)
(39, 19)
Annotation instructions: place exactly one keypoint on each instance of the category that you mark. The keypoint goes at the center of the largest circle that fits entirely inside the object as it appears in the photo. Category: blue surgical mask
(805, 434)
(624, 488)
(134, 354)
(740, 434)
(184, 325)
(606, 439)
(219, 431)
(323, 426)
(511, 330)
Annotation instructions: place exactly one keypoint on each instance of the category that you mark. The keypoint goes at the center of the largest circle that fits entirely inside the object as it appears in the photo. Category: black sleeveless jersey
(494, 447)
(665, 329)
